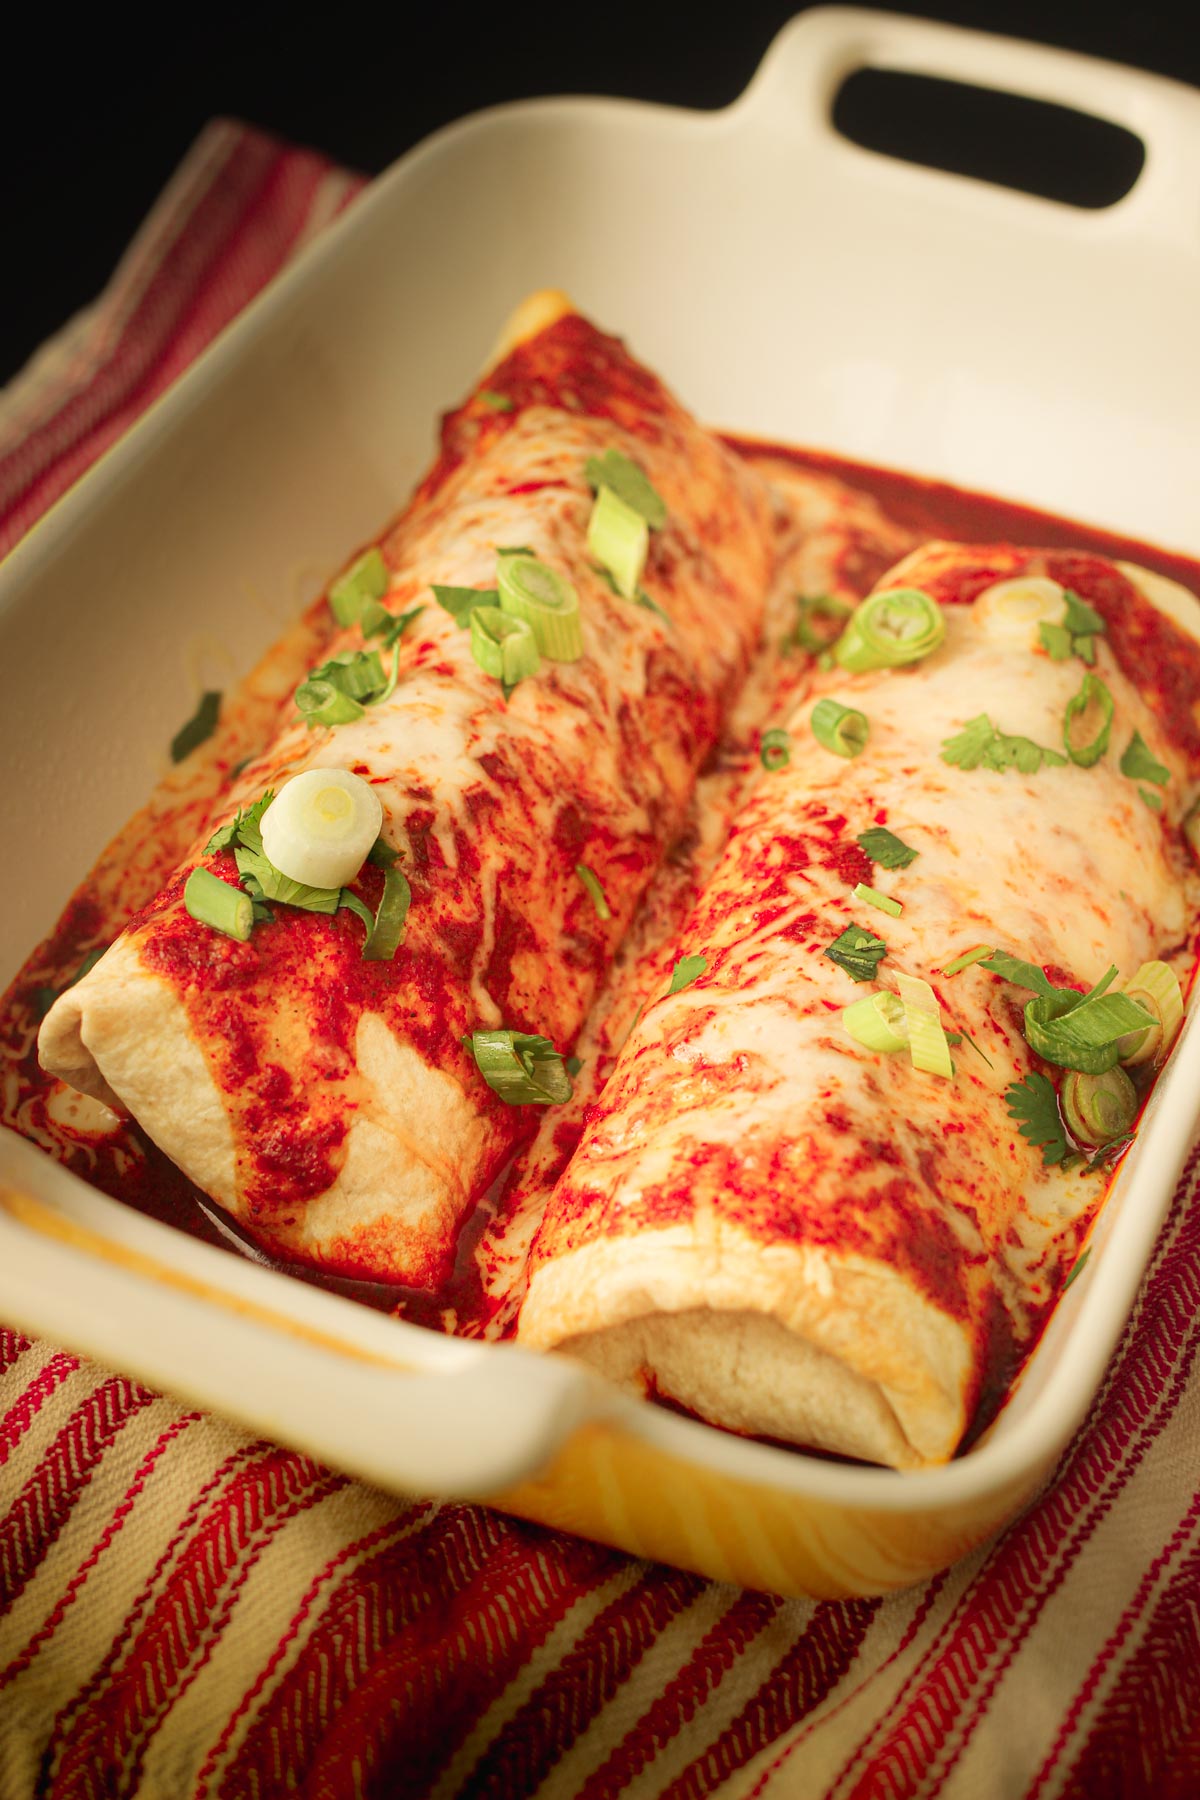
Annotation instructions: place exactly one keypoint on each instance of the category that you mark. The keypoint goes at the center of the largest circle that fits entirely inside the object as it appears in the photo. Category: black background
(99, 108)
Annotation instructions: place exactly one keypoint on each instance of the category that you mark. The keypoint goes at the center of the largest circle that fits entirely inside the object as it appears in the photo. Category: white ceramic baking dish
(788, 285)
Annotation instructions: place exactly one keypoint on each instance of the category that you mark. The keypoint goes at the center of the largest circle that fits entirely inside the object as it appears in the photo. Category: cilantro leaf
(243, 828)
(1080, 619)
(1076, 634)
(884, 848)
(263, 881)
(1138, 764)
(980, 743)
(1035, 1103)
(501, 403)
(858, 952)
(1055, 641)
(687, 970)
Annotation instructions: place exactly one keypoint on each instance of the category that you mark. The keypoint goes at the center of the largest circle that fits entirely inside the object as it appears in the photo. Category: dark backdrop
(98, 109)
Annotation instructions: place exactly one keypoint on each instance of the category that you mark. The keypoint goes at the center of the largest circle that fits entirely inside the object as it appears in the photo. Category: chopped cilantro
(889, 851)
(979, 743)
(858, 952)
(1035, 1103)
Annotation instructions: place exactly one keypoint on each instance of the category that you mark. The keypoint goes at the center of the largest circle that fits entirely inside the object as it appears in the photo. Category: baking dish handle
(399, 1406)
(811, 57)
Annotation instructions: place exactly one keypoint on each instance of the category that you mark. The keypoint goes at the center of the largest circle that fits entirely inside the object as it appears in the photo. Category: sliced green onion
(923, 1024)
(217, 903)
(810, 608)
(522, 1068)
(1153, 801)
(547, 602)
(877, 1021)
(644, 600)
(358, 907)
(967, 958)
(460, 602)
(1085, 1033)
(775, 750)
(503, 646)
(900, 626)
(1089, 717)
(324, 704)
(1014, 610)
(501, 403)
(1139, 765)
(366, 579)
(619, 538)
(387, 932)
(321, 826)
(687, 970)
(872, 897)
(842, 729)
(1156, 987)
(1098, 1108)
(1191, 830)
(199, 727)
(885, 848)
(621, 474)
(1077, 1268)
(603, 909)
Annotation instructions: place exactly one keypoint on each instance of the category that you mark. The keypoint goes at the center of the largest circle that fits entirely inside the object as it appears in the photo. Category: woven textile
(185, 1610)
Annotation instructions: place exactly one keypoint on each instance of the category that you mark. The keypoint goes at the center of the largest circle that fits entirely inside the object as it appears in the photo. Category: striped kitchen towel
(188, 1611)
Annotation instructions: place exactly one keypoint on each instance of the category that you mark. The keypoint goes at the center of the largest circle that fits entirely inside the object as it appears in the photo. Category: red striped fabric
(185, 1610)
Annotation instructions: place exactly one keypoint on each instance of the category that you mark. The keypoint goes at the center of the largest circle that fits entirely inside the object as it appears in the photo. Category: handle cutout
(1006, 139)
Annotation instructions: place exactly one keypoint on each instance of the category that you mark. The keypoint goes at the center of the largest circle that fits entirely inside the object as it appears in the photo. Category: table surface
(92, 130)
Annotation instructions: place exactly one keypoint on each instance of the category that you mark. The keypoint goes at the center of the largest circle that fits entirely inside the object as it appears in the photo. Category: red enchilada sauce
(120, 1161)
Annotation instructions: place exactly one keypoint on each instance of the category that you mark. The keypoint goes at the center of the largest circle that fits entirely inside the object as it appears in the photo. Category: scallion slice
(811, 608)
(546, 601)
(899, 626)
(321, 826)
(883, 902)
(630, 483)
(217, 903)
(496, 401)
(366, 579)
(324, 704)
(877, 1022)
(1085, 1033)
(503, 646)
(603, 909)
(199, 727)
(1098, 1108)
(842, 729)
(687, 970)
(1155, 987)
(1012, 611)
(1139, 765)
(1087, 723)
(967, 958)
(775, 750)
(522, 1068)
(461, 602)
(619, 538)
(387, 932)
(923, 1024)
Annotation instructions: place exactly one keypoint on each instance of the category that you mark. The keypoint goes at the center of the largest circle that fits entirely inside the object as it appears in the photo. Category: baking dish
(330, 382)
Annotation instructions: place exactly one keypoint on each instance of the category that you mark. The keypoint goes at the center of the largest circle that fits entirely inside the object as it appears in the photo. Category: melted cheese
(744, 1115)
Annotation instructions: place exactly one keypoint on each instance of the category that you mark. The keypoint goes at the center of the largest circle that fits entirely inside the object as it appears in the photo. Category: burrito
(523, 678)
(849, 1153)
